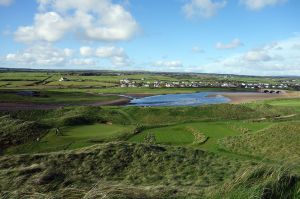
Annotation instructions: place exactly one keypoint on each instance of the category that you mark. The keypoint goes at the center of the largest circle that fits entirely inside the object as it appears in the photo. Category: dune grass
(133, 171)
(14, 132)
(179, 172)
(280, 142)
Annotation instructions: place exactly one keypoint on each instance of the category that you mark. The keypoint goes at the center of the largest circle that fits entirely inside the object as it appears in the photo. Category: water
(191, 99)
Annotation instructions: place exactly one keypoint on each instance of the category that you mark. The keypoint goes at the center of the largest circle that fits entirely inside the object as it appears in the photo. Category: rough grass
(155, 115)
(132, 168)
(262, 182)
(134, 171)
(15, 132)
(280, 142)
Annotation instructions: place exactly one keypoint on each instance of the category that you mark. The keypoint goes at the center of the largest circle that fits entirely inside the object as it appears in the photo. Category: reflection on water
(191, 99)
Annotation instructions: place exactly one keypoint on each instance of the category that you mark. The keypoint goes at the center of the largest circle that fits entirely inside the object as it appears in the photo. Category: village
(124, 83)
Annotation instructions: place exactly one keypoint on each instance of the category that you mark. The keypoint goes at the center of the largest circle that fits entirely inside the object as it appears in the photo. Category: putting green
(75, 137)
(182, 135)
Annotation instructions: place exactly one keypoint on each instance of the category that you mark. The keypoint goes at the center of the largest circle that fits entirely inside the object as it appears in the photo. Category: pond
(190, 99)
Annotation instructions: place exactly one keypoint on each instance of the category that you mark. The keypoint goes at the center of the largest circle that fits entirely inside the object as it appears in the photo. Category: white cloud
(82, 62)
(257, 56)
(99, 20)
(117, 56)
(110, 51)
(233, 44)
(48, 56)
(49, 26)
(276, 58)
(86, 51)
(39, 56)
(6, 2)
(169, 64)
(259, 4)
(121, 61)
(68, 52)
(203, 8)
(197, 49)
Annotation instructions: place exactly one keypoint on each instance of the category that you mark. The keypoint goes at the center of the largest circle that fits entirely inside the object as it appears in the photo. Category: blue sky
(253, 37)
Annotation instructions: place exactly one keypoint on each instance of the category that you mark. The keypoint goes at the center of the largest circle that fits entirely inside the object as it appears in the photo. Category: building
(63, 79)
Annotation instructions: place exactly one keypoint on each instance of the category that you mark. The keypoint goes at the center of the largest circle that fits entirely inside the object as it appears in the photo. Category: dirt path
(286, 116)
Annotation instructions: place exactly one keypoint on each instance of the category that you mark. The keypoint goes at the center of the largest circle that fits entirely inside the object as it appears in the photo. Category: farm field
(54, 97)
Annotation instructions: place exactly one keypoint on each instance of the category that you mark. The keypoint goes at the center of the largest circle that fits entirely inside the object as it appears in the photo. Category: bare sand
(240, 97)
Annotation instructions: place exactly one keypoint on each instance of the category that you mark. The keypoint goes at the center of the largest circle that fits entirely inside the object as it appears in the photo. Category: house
(63, 79)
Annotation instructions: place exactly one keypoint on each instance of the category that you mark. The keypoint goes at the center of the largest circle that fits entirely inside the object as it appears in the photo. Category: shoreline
(234, 97)
(239, 97)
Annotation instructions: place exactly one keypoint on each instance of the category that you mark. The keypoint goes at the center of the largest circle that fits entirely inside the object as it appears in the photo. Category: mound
(15, 132)
(119, 170)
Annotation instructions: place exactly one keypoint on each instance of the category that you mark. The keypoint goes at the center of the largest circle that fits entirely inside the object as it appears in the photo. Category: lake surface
(191, 99)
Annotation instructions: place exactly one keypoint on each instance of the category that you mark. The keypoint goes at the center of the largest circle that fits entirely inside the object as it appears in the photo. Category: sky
(246, 37)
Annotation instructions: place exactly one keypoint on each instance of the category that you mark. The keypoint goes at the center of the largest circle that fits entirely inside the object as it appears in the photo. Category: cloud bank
(276, 58)
(95, 20)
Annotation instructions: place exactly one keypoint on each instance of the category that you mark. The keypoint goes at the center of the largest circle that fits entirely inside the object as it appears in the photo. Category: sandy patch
(238, 98)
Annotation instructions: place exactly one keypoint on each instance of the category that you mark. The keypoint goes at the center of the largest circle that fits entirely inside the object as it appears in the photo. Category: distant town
(200, 84)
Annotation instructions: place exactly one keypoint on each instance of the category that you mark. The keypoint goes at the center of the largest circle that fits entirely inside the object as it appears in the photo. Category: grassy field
(280, 142)
(185, 162)
(55, 97)
(74, 137)
(124, 170)
(289, 103)
(184, 134)
(212, 151)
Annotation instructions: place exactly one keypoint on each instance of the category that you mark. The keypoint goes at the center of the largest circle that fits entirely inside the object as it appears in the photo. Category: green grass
(280, 142)
(49, 97)
(74, 137)
(285, 102)
(288, 103)
(14, 132)
(174, 135)
(170, 172)
(182, 135)
(127, 170)
(213, 151)
(81, 84)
